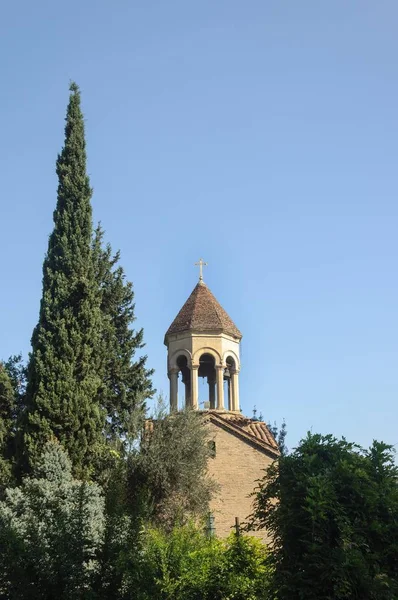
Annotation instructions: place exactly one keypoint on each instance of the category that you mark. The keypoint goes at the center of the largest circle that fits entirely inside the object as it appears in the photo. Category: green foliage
(60, 538)
(184, 564)
(63, 372)
(126, 381)
(332, 510)
(51, 533)
(121, 534)
(168, 479)
(7, 427)
(86, 386)
(244, 571)
(17, 373)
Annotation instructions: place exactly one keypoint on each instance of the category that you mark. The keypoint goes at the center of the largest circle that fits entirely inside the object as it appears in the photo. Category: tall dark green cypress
(7, 427)
(62, 398)
(126, 380)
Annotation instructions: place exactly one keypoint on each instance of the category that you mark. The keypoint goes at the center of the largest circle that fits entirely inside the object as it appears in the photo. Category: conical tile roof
(202, 312)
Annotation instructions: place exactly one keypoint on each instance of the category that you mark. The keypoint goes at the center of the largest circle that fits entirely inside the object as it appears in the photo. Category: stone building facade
(203, 342)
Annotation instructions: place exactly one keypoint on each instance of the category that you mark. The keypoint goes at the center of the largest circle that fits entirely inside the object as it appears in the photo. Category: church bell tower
(203, 342)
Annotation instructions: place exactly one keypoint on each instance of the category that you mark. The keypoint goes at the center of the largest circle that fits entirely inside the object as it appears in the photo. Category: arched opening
(184, 382)
(229, 371)
(207, 371)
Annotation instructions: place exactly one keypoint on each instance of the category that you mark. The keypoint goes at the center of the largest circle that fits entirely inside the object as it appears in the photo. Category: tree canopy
(332, 511)
(7, 427)
(168, 477)
(63, 372)
(51, 532)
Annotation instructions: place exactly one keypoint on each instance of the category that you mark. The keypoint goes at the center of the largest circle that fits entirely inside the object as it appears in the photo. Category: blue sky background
(261, 135)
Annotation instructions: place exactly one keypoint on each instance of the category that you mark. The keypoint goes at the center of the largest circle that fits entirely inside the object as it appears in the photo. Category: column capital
(194, 367)
(172, 371)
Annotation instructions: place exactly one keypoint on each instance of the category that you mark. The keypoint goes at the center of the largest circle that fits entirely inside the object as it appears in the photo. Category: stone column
(173, 375)
(235, 391)
(220, 387)
(188, 392)
(229, 392)
(212, 393)
(194, 387)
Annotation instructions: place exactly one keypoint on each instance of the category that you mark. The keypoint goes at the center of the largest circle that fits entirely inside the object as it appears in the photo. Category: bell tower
(203, 342)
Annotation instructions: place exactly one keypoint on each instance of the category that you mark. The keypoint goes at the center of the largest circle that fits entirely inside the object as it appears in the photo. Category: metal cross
(201, 264)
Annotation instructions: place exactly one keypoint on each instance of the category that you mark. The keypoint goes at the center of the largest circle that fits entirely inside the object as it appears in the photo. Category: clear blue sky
(261, 135)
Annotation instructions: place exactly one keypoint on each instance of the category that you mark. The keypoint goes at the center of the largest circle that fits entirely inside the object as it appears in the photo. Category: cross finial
(201, 264)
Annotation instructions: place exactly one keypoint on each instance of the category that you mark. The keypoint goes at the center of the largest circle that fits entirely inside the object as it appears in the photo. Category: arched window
(184, 381)
(207, 370)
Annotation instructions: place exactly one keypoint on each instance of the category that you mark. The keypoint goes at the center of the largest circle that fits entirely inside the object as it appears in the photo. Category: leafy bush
(168, 478)
(51, 533)
(185, 564)
(332, 509)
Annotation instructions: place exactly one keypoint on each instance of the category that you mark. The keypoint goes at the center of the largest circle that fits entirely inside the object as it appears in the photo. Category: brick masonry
(236, 467)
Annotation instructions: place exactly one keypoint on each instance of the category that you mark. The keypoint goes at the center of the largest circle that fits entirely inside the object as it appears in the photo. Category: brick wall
(236, 467)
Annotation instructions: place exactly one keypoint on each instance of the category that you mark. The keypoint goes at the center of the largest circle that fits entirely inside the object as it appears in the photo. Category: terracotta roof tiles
(257, 429)
(202, 312)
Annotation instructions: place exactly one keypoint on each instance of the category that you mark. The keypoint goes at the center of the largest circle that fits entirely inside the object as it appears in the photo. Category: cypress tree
(7, 427)
(126, 380)
(64, 367)
(17, 372)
